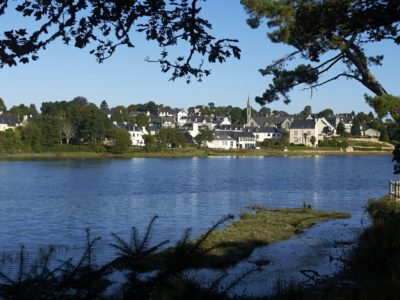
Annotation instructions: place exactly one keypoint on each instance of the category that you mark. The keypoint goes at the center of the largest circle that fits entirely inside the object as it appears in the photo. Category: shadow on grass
(150, 270)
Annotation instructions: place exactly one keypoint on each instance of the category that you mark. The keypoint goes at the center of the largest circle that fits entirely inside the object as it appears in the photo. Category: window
(296, 132)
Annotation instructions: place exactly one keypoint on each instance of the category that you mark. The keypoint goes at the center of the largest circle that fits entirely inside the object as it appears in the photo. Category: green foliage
(90, 123)
(385, 105)
(285, 137)
(50, 130)
(171, 136)
(384, 137)
(326, 113)
(272, 144)
(104, 106)
(237, 116)
(20, 111)
(145, 107)
(396, 158)
(313, 140)
(57, 108)
(122, 115)
(393, 131)
(323, 34)
(31, 135)
(257, 227)
(334, 142)
(141, 120)
(149, 139)
(205, 135)
(119, 140)
(265, 111)
(376, 255)
(3, 107)
(340, 129)
(10, 141)
(279, 113)
(355, 129)
(49, 278)
(306, 111)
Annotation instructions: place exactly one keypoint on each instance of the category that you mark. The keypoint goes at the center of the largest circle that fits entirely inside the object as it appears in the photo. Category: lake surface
(53, 202)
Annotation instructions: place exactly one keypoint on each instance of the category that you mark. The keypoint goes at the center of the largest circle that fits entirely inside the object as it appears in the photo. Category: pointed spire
(248, 110)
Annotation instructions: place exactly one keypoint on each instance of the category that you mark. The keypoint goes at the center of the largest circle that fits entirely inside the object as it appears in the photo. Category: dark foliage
(106, 25)
(324, 34)
(49, 278)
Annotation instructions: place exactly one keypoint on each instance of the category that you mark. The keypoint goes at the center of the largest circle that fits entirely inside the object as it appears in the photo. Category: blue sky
(64, 72)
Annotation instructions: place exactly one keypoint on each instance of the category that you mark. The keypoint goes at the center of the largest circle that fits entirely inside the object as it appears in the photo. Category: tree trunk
(357, 57)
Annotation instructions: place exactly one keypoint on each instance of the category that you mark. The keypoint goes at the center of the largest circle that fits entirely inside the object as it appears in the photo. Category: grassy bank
(372, 270)
(256, 227)
(85, 153)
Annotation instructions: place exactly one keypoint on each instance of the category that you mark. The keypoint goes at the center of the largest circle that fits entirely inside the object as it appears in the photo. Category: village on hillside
(202, 125)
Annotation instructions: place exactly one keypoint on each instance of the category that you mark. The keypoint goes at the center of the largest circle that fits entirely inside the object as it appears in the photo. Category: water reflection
(53, 202)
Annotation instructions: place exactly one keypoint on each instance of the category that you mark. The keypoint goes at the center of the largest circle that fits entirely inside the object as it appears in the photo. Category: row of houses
(299, 130)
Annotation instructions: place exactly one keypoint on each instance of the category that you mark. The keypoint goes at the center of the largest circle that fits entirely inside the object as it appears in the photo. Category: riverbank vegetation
(372, 268)
(86, 152)
(258, 226)
(48, 278)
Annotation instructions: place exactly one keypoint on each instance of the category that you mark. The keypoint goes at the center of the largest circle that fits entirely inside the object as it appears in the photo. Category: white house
(228, 128)
(265, 133)
(168, 121)
(8, 122)
(222, 141)
(137, 134)
(222, 121)
(301, 131)
(182, 116)
(322, 126)
(194, 128)
(244, 140)
(372, 133)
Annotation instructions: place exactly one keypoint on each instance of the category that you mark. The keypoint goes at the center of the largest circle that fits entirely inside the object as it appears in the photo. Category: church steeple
(248, 110)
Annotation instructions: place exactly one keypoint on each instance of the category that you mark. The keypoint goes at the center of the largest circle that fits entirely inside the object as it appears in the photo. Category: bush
(334, 142)
(269, 143)
(10, 142)
(120, 140)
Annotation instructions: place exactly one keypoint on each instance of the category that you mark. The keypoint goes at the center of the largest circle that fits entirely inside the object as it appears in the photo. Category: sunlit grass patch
(257, 227)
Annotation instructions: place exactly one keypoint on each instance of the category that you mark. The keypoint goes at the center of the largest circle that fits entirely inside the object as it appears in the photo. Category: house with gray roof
(232, 127)
(302, 130)
(136, 133)
(222, 141)
(8, 122)
(265, 133)
(282, 123)
(168, 121)
(244, 140)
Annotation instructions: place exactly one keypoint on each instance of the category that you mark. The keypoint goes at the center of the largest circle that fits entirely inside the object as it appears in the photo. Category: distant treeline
(79, 122)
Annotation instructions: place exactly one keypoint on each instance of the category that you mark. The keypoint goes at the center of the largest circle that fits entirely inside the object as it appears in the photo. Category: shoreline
(183, 153)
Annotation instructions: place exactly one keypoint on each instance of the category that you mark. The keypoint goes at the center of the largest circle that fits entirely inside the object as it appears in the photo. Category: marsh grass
(86, 152)
(258, 226)
(371, 270)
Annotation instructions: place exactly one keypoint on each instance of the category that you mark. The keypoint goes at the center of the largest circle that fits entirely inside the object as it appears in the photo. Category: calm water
(53, 202)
